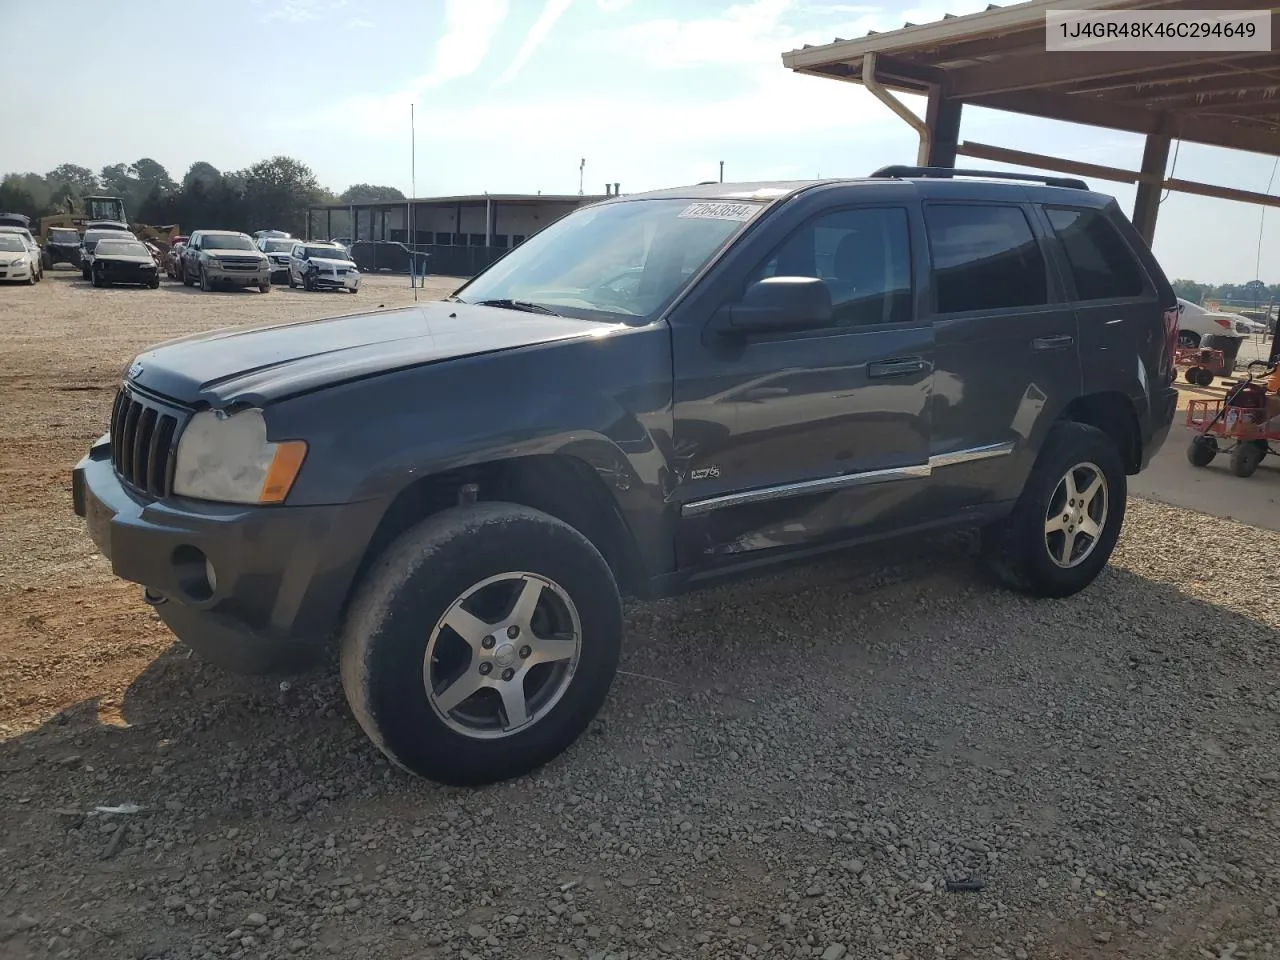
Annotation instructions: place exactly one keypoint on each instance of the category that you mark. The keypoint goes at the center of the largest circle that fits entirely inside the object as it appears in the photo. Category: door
(190, 257)
(794, 439)
(1007, 349)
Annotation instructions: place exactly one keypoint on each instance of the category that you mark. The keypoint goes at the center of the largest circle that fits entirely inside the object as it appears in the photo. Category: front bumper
(327, 281)
(58, 255)
(281, 574)
(241, 278)
(19, 271)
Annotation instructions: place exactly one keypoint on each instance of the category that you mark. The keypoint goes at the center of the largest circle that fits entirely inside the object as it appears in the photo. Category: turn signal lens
(283, 471)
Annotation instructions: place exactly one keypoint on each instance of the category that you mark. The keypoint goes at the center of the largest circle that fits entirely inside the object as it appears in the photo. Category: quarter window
(984, 258)
(1101, 262)
(864, 256)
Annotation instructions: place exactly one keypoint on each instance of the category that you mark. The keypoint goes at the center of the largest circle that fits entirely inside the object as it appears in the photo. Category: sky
(511, 95)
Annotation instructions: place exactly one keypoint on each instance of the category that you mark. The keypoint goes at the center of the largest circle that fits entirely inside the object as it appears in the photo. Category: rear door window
(1103, 266)
(985, 257)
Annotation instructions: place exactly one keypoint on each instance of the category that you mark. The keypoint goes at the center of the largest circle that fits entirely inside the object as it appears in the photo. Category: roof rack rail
(900, 172)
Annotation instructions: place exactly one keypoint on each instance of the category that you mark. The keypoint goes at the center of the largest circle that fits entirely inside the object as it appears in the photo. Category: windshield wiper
(525, 305)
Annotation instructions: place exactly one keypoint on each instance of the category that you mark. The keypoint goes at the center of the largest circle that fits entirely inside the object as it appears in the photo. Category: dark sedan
(123, 261)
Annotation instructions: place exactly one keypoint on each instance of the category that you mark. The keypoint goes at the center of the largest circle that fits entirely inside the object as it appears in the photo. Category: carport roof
(997, 59)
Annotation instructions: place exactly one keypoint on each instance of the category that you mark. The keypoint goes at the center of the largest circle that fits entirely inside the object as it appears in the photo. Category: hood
(328, 262)
(143, 258)
(265, 363)
(253, 254)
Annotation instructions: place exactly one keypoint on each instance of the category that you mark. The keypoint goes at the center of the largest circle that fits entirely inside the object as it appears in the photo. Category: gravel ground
(799, 766)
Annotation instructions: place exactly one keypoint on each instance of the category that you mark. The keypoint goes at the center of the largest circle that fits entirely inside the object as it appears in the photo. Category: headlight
(226, 457)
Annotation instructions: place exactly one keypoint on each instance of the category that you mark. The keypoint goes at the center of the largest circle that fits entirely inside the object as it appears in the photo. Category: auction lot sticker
(717, 210)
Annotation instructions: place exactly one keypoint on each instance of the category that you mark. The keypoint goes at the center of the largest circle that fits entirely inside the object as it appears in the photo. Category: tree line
(271, 194)
(1237, 294)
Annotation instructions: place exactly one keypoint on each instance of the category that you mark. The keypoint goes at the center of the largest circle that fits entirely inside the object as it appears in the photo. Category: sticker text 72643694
(719, 210)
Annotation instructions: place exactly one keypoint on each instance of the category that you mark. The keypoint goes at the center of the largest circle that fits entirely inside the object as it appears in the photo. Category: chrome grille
(240, 263)
(143, 444)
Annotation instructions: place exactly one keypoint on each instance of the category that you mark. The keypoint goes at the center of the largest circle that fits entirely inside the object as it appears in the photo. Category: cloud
(298, 11)
(469, 28)
(613, 6)
(552, 11)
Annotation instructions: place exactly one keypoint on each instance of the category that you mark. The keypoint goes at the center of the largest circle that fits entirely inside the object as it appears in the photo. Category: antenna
(722, 171)
(582, 169)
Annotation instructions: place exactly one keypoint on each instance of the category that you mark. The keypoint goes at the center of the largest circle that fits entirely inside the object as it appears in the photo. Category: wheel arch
(563, 485)
(1113, 413)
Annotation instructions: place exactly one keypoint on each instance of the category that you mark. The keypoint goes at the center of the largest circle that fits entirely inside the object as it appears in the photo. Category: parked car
(278, 234)
(216, 258)
(1196, 323)
(32, 246)
(277, 250)
(463, 489)
(173, 259)
(17, 262)
(323, 266)
(123, 260)
(62, 246)
(90, 240)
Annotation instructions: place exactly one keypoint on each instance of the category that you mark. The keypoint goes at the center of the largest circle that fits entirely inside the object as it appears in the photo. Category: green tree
(370, 193)
(81, 181)
(15, 198)
(277, 193)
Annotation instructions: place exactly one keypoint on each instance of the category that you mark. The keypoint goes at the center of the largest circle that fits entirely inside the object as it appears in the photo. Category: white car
(31, 246)
(17, 262)
(1196, 323)
(277, 250)
(323, 266)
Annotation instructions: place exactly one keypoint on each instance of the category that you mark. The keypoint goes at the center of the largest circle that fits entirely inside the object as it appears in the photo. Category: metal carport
(997, 59)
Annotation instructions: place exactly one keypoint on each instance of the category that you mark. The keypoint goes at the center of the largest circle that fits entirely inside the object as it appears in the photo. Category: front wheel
(1068, 518)
(1246, 456)
(264, 288)
(482, 643)
(293, 284)
(1202, 450)
(205, 284)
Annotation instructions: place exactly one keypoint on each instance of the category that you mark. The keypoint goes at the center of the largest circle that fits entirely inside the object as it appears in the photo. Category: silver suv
(225, 258)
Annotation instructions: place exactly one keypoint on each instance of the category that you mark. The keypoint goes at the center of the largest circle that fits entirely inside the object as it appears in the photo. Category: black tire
(396, 612)
(1187, 338)
(1245, 457)
(1204, 377)
(264, 288)
(154, 284)
(187, 281)
(354, 290)
(84, 273)
(1202, 450)
(306, 283)
(293, 284)
(205, 284)
(1018, 548)
(96, 279)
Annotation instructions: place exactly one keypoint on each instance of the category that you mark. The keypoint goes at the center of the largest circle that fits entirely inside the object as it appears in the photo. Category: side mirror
(782, 303)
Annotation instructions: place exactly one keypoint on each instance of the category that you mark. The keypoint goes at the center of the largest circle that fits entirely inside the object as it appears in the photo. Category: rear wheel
(482, 643)
(1068, 518)
(1202, 450)
(1186, 338)
(1246, 456)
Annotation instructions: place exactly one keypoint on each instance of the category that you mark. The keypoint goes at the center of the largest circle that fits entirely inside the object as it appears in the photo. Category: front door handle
(902, 367)
(1057, 342)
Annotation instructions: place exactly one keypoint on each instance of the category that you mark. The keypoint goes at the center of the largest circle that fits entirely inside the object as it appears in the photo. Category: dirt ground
(796, 766)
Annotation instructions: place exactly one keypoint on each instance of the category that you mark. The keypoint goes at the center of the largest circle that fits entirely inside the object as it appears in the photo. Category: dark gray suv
(653, 393)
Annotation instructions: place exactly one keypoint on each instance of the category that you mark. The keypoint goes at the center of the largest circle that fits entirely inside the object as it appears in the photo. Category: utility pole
(722, 171)
(582, 169)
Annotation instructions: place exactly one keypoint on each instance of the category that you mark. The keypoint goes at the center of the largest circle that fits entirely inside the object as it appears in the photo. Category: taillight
(1222, 322)
(1171, 318)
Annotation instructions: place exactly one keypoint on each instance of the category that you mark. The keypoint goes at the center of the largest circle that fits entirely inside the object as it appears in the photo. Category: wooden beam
(1019, 158)
(1040, 71)
(1094, 112)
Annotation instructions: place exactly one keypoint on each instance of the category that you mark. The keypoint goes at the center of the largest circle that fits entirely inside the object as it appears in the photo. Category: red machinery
(1241, 418)
(1202, 364)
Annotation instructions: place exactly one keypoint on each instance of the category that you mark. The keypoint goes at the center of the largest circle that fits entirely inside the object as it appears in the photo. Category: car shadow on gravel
(1104, 765)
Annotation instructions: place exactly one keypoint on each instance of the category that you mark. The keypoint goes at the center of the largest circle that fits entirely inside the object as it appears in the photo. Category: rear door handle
(903, 367)
(1058, 342)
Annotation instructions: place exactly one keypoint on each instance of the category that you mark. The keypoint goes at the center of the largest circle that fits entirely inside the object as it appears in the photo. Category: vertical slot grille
(142, 445)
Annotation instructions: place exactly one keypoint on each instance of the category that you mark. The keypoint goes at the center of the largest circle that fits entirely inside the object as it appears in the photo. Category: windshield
(12, 242)
(64, 236)
(628, 259)
(110, 208)
(120, 248)
(326, 253)
(227, 241)
(91, 237)
(277, 246)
